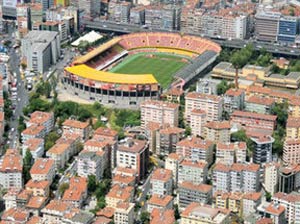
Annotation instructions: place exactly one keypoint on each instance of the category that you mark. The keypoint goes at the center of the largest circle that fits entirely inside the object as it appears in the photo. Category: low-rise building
(55, 211)
(117, 194)
(165, 216)
(275, 211)
(293, 128)
(198, 213)
(251, 200)
(124, 213)
(77, 191)
(60, 154)
(15, 215)
(11, 168)
(35, 146)
(229, 153)
(291, 152)
(161, 202)
(77, 127)
(161, 182)
(45, 119)
(43, 169)
(259, 104)
(192, 171)
(38, 188)
(33, 131)
(189, 192)
(36, 204)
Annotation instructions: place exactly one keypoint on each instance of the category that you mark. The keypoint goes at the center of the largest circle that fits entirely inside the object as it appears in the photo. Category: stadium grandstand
(132, 68)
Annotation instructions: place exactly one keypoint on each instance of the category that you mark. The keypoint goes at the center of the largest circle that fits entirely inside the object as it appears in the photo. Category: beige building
(217, 131)
(211, 104)
(60, 154)
(43, 119)
(77, 127)
(172, 163)
(161, 202)
(251, 200)
(291, 152)
(160, 112)
(55, 210)
(198, 121)
(196, 213)
(271, 177)
(192, 171)
(77, 191)
(124, 213)
(196, 149)
(161, 182)
(294, 108)
(119, 194)
(293, 128)
(229, 153)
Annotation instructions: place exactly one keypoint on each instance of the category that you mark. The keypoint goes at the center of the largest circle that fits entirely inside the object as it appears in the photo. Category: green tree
(27, 163)
(281, 111)
(62, 188)
(176, 212)
(47, 89)
(188, 130)
(50, 140)
(145, 217)
(92, 183)
(101, 203)
(83, 46)
(223, 86)
(268, 196)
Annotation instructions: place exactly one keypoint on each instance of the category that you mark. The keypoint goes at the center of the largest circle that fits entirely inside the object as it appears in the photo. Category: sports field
(162, 66)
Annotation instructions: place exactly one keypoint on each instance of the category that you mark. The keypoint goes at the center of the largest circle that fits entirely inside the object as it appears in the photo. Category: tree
(268, 196)
(47, 89)
(7, 106)
(145, 217)
(21, 126)
(23, 65)
(92, 183)
(50, 140)
(281, 111)
(188, 131)
(101, 202)
(176, 212)
(223, 86)
(83, 45)
(62, 188)
(27, 163)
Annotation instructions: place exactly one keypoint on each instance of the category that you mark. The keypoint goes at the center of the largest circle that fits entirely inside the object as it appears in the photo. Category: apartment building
(217, 131)
(117, 194)
(294, 108)
(251, 200)
(134, 154)
(289, 178)
(60, 154)
(234, 99)
(198, 121)
(77, 127)
(38, 188)
(105, 133)
(55, 210)
(266, 25)
(35, 147)
(271, 177)
(124, 213)
(167, 138)
(91, 7)
(196, 149)
(229, 200)
(137, 15)
(33, 131)
(43, 169)
(41, 49)
(198, 213)
(165, 216)
(160, 112)
(161, 202)
(254, 120)
(161, 182)
(293, 128)
(276, 212)
(15, 215)
(229, 153)
(45, 119)
(120, 12)
(262, 149)
(291, 204)
(211, 104)
(11, 167)
(189, 192)
(236, 177)
(77, 191)
(192, 171)
(291, 152)
(172, 163)
(259, 104)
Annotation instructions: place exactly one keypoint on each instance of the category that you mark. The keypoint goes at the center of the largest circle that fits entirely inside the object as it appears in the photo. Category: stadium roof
(97, 51)
(87, 72)
(90, 37)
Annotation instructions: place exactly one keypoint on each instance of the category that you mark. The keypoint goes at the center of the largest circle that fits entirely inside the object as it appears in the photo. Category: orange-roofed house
(60, 153)
(161, 202)
(119, 193)
(160, 112)
(55, 211)
(77, 191)
(172, 163)
(45, 119)
(217, 131)
(11, 167)
(189, 192)
(161, 182)
(10, 198)
(196, 149)
(35, 146)
(77, 127)
(166, 140)
(192, 171)
(123, 179)
(199, 213)
(33, 131)
(15, 215)
(276, 212)
(162, 216)
(106, 133)
(36, 204)
(124, 213)
(259, 104)
(43, 169)
(38, 188)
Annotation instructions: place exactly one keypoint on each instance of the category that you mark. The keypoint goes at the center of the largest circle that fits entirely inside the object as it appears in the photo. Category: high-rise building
(271, 177)
(291, 152)
(266, 25)
(287, 29)
(262, 149)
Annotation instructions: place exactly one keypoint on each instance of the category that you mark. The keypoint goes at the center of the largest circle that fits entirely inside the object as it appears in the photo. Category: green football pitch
(162, 66)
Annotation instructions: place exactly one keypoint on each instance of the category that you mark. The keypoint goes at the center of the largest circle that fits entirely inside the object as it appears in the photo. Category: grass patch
(162, 66)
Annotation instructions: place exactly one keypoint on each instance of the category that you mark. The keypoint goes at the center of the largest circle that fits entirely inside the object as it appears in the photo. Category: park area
(162, 66)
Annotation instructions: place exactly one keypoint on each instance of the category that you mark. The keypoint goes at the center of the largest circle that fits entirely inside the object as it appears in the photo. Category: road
(234, 43)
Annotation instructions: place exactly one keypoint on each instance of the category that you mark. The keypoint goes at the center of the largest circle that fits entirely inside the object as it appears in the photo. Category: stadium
(129, 69)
